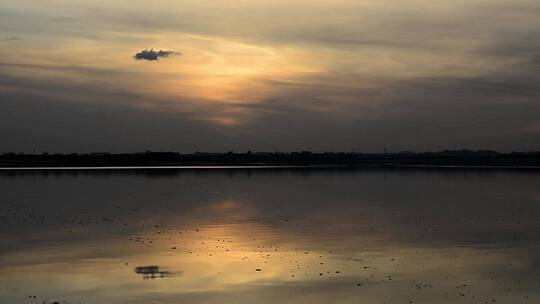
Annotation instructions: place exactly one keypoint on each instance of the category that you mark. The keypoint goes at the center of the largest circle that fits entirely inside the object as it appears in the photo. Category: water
(270, 236)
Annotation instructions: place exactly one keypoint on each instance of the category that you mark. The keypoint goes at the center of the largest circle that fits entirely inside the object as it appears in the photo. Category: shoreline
(266, 167)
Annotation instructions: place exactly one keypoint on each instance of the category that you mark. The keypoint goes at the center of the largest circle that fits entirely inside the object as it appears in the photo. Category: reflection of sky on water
(316, 236)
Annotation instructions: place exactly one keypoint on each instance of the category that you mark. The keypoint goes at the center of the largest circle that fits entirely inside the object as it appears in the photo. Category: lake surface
(270, 236)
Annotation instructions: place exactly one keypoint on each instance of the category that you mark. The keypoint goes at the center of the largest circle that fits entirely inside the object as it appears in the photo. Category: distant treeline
(149, 158)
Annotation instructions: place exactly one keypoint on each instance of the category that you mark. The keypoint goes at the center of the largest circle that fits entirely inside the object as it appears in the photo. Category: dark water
(270, 236)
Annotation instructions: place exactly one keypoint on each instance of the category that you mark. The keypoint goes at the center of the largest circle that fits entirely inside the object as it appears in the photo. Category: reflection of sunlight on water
(223, 258)
(221, 249)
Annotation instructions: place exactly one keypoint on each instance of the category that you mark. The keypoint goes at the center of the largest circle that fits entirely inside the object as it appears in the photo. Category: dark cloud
(153, 55)
(10, 39)
(498, 111)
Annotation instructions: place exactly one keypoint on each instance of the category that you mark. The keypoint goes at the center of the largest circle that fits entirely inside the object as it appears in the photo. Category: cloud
(153, 55)
(10, 39)
(64, 115)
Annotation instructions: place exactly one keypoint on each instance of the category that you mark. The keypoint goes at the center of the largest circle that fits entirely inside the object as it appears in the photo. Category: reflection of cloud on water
(152, 272)
(385, 270)
(408, 230)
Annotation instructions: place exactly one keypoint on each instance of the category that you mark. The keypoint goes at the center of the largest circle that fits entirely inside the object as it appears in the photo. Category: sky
(221, 75)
